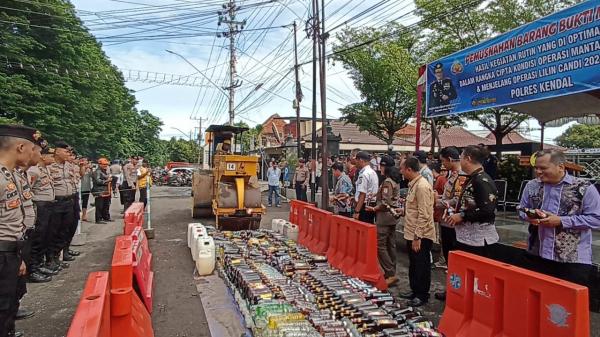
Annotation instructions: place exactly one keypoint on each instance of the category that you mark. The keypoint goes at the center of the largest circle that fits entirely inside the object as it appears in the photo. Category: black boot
(24, 314)
(62, 264)
(53, 265)
(68, 257)
(37, 277)
(74, 252)
(48, 271)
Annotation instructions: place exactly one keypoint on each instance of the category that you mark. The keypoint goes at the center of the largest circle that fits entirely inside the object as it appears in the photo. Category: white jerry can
(205, 259)
(290, 231)
(198, 232)
(191, 226)
(277, 225)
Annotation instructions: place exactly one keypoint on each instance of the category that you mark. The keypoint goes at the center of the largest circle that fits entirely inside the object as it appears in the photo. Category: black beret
(47, 150)
(20, 131)
(62, 145)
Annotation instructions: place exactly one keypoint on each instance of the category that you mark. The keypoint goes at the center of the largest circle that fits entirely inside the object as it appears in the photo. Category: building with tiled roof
(454, 136)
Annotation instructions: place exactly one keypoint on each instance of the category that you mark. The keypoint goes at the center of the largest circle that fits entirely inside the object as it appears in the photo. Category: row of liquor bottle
(292, 292)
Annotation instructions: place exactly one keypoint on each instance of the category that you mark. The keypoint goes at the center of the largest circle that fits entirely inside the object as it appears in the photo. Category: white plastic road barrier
(191, 226)
(197, 234)
(205, 259)
(277, 225)
(290, 231)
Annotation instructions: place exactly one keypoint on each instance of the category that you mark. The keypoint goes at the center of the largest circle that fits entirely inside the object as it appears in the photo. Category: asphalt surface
(178, 310)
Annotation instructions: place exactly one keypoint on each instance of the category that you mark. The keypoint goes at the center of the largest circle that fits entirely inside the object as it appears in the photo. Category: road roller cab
(229, 190)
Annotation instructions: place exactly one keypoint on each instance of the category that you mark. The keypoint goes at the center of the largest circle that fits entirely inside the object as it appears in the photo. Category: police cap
(387, 161)
(20, 131)
(438, 66)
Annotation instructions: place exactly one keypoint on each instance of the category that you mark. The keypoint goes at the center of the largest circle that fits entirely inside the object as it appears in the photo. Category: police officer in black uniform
(16, 148)
(442, 91)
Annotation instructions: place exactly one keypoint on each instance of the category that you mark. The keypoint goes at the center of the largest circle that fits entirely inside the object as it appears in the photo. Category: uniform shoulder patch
(12, 204)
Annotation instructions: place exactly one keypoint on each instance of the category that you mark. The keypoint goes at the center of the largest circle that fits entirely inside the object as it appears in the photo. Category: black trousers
(129, 194)
(419, 270)
(368, 217)
(483, 251)
(301, 191)
(102, 208)
(114, 184)
(144, 196)
(386, 249)
(61, 222)
(448, 236)
(76, 217)
(573, 272)
(85, 198)
(9, 288)
(40, 237)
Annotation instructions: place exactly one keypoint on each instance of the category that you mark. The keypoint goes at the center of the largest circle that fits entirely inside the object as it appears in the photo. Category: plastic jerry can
(191, 226)
(205, 259)
(277, 225)
(199, 232)
(291, 231)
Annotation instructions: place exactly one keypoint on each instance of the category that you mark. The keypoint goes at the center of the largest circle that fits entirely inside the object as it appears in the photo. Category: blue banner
(553, 56)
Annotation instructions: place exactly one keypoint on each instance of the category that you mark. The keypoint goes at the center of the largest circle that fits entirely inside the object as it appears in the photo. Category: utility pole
(199, 136)
(315, 36)
(323, 63)
(227, 16)
(298, 91)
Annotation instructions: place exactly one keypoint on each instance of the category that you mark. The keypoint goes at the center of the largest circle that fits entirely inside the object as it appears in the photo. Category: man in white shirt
(367, 186)
(273, 175)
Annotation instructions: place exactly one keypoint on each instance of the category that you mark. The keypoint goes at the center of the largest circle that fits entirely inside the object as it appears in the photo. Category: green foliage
(181, 150)
(89, 107)
(510, 170)
(580, 136)
(250, 137)
(386, 76)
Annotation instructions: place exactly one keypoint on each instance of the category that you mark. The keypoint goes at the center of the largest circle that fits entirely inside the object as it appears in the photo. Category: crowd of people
(41, 208)
(451, 199)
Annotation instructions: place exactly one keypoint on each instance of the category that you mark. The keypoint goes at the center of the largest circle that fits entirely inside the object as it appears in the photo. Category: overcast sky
(136, 34)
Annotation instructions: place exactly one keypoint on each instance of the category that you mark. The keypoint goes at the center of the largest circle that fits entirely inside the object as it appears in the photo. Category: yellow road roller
(229, 190)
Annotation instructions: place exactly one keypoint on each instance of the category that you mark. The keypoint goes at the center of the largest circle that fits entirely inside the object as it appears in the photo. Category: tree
(580, 136)
(182, 150)
(250, 137)
(470, 23)
(386, 76)
(59, 81)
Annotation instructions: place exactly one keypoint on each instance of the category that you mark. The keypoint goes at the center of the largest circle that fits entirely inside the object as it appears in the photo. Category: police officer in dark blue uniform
(442, 91)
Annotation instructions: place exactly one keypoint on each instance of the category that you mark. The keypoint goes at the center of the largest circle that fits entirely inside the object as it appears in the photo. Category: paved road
(177, 304)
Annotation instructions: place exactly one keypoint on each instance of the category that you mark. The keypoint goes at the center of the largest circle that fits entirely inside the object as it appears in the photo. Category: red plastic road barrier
(317, 238)
(129, 316)
(134, 216)
(142, 266)
(299, 217)
(487, 298)
(294, 210)
(92, 317)
(353, 250)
